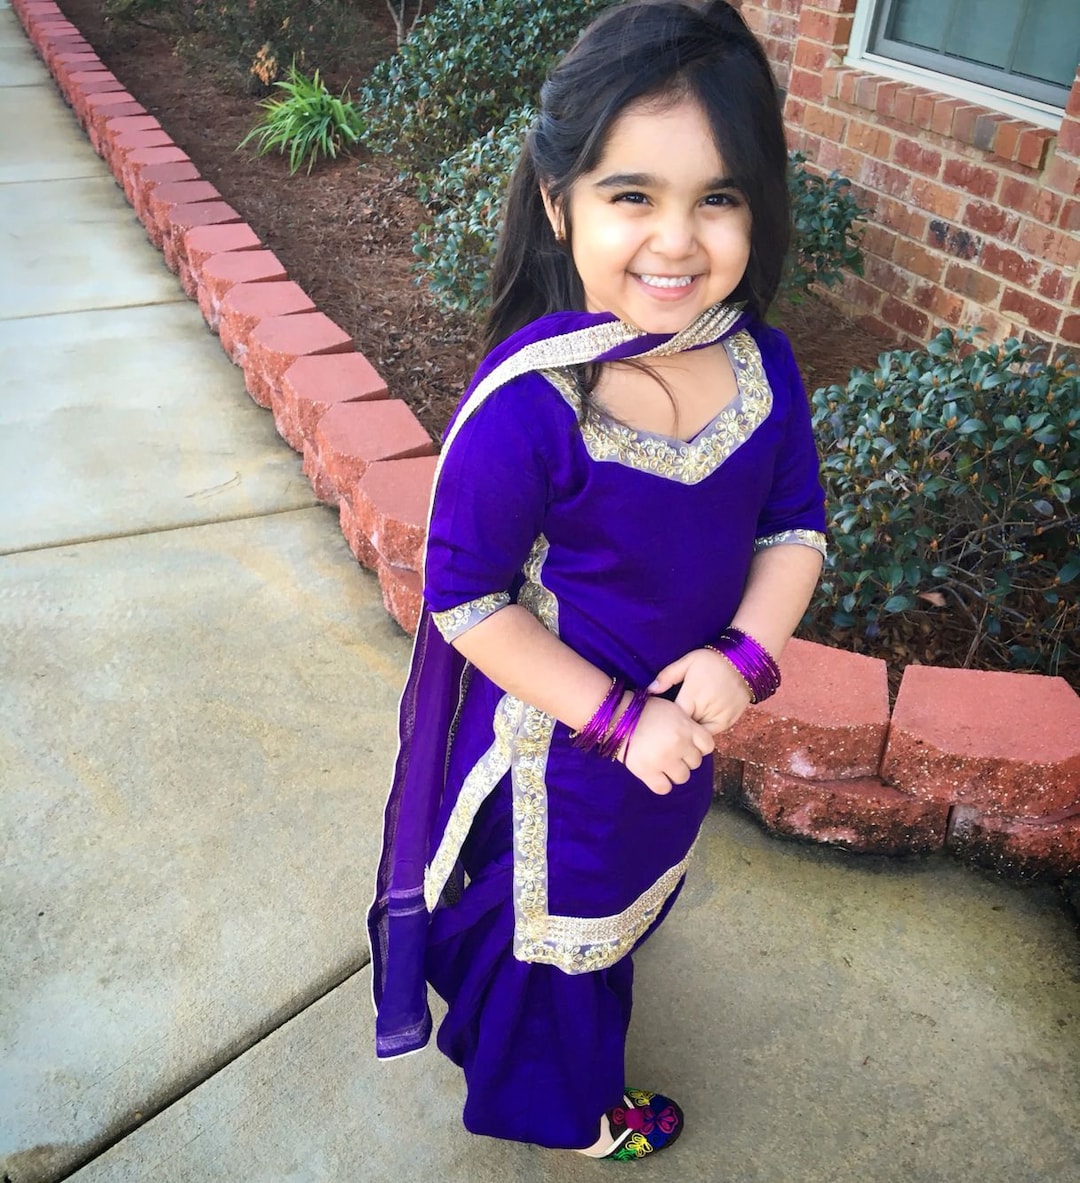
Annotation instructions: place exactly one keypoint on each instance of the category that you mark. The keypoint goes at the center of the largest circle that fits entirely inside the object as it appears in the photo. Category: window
(1027, 48)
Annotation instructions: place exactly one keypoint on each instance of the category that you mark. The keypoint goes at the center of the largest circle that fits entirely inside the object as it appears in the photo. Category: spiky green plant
(309, 124)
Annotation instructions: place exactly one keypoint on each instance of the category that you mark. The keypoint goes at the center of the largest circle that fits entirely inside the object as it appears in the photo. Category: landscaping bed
(344, 233)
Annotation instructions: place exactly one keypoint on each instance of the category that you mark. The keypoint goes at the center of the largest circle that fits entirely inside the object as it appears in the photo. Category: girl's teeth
(668, 281)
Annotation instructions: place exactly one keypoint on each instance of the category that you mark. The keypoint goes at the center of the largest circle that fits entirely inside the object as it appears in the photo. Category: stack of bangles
(603, 733)
(753, 662)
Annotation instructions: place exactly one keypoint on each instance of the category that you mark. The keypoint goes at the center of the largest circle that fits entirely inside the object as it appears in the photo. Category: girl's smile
(658, 231)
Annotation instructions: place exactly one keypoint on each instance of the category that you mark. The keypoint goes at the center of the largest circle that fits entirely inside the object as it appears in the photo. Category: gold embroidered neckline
(685, 461)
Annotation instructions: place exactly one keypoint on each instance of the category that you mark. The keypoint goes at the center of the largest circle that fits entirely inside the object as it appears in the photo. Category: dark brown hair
(648, 49)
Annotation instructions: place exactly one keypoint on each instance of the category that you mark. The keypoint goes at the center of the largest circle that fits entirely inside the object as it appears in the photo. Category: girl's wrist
(609, 730)
(750, 660)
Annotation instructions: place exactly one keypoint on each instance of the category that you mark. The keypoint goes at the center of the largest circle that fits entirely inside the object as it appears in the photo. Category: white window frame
(1016, 106)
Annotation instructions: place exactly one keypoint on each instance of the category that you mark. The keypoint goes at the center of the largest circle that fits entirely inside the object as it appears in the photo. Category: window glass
(1049, 44)
(920, 22)
(983, 30)
(1029, 47)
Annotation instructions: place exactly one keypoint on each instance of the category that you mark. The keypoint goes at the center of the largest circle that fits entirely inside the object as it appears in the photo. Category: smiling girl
(626, 529)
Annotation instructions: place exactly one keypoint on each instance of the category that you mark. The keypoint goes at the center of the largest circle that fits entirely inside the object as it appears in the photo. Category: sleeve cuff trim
(455, 621)
(815, 539)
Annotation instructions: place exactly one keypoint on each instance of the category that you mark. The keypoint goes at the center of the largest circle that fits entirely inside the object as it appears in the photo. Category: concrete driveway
(197, 720)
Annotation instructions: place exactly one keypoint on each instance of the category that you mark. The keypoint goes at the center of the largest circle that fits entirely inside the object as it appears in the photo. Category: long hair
(651, 49)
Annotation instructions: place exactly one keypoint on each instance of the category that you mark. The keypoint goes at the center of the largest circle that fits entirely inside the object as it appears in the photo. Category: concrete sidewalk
(198, 696)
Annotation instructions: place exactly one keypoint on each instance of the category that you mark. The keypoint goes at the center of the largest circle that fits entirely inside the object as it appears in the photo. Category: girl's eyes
(722, 199)
(715, 200)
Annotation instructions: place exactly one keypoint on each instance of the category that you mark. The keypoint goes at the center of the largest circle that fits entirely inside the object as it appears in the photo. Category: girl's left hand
(712, 691)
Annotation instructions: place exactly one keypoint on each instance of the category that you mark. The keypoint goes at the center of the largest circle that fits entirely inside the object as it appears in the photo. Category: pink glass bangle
(624, 728)
(593, 733)
(752, 662)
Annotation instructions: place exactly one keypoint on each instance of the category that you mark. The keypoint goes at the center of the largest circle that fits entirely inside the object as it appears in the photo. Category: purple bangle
(592, 734)
(752, 662)
(624, 728)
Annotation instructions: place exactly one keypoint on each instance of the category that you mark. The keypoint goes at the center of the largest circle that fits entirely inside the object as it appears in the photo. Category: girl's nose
(674, 235)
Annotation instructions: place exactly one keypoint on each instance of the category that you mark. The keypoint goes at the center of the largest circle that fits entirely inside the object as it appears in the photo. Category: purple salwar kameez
(518, 872)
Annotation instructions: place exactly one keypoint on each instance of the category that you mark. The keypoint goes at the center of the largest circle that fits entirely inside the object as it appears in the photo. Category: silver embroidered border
(692, 462)
(812, 538)
(484, 775)
(582, 944)
(574, 944)
(452, 622)
(582, 346)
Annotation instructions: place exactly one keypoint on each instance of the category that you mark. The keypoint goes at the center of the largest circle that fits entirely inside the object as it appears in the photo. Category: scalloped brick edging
(985, 765)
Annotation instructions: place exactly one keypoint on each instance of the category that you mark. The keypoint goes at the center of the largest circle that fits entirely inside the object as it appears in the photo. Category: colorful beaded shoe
(648, 1122)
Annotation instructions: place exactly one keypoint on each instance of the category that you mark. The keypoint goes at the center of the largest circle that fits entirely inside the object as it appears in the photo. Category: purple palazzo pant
(542, 1050)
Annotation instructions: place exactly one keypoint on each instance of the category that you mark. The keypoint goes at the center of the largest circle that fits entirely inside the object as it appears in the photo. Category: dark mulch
(343, 233)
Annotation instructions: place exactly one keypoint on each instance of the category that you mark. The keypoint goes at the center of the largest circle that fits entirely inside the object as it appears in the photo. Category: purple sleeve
(490, 501)
(796, 500)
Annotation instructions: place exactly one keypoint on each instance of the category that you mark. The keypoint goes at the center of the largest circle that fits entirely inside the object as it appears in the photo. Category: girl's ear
(554, 214)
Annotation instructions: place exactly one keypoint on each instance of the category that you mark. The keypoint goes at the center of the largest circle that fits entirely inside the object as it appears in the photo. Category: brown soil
(343, 234)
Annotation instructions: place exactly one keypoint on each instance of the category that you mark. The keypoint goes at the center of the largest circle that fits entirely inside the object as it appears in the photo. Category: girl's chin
(665, 310)
(667, 320)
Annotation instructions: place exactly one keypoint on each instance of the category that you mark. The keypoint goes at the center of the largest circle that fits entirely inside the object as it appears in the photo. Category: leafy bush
(310, 124)
(462, 71)
(953, 478)
(826, 220)
(260, 37)
(171, 16)
(405, 16)
(457, 248)
(264, 36)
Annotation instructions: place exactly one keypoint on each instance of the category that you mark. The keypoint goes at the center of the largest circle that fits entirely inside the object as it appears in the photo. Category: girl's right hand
(666, 746)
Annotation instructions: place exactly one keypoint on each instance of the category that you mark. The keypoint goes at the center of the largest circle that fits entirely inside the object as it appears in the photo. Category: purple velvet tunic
(634, 549)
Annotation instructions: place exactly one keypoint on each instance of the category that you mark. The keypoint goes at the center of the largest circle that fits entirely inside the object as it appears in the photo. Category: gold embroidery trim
(484, 775)
(689, 463)
(585, 345)
(582, 944)
(812, 538)
(533, 596)
(575, 945)
(452, 622)
(521, 744)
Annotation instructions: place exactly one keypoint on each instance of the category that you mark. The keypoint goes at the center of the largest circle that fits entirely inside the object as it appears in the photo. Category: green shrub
(259, 37)
(953, 478)
(826, 220)
(176, 17)
(264, 36)
(456, 249)
(462, 71)
(310, 124)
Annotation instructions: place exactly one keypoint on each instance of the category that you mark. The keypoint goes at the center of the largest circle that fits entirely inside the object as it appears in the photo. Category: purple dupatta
(398, 918)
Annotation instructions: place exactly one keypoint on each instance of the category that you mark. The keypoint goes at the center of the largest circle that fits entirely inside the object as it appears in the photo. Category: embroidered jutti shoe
(646, 1123)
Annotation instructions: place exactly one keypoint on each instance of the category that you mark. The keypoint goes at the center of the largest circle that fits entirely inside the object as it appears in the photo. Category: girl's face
(660, 233)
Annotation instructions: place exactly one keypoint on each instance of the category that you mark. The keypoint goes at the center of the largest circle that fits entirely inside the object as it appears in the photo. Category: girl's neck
(675, 396)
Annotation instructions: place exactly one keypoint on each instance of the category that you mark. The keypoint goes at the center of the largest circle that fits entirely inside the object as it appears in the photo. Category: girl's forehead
(664, 134)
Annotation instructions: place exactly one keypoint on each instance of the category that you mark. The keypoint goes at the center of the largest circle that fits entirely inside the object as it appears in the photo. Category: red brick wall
(976, 215)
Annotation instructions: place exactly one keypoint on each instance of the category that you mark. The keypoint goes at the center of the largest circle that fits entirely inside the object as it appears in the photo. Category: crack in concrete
(162, 529)
(209, 1070)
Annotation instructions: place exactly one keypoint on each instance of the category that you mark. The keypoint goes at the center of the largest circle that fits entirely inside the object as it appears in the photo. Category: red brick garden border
(986, 765)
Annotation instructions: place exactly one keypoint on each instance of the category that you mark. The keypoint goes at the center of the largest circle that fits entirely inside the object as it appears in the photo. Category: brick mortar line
(943, 701)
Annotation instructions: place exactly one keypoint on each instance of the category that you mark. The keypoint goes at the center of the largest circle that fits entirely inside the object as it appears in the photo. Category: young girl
(626, 528)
